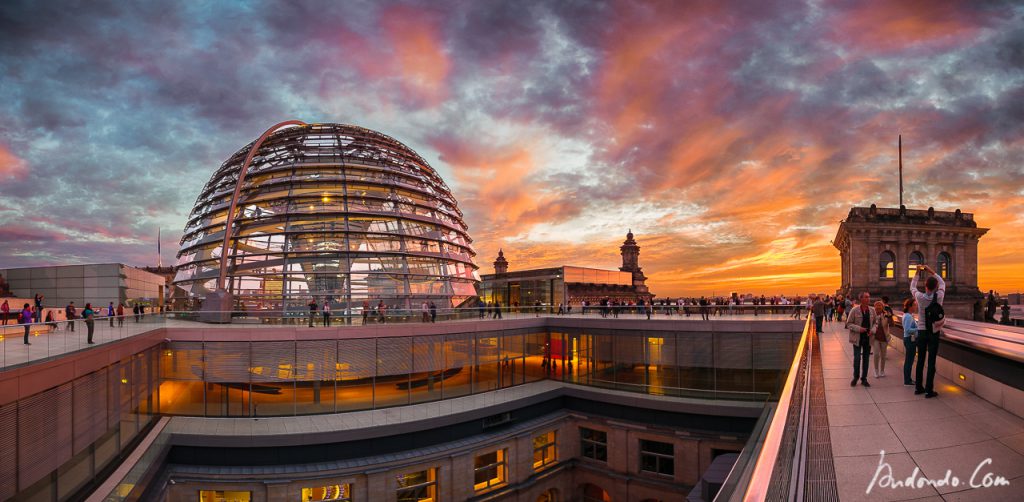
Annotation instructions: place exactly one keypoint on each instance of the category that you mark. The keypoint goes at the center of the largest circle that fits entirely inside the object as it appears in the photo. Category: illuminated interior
(335, 212)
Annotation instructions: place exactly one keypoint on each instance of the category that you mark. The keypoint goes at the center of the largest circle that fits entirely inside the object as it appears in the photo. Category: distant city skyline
(730, 140)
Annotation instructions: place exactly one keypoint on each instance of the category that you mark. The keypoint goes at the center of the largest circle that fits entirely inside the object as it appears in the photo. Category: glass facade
(335, 212)
(280, 378)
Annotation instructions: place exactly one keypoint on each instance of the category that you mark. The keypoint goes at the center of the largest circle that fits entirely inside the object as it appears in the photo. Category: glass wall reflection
(282, 378)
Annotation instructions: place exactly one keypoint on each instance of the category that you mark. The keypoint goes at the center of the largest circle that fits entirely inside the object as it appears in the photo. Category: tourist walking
(110, 313)
(135, 310)
(312, 311)
(859, 323)
(39, 307)
(327, 313)
(70, 313)
(89, 314)
(5, 309)
(120, 315)
(909, 338)
(930, 305)
(25, 317)
(497, 310)
(818, 309)
(880, 338)
(433, 312)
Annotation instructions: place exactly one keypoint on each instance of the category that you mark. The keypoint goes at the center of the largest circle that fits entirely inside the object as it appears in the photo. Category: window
(489, 469)
(594, 493)
(594, 444)
(916, 258)
(224, 496)
(887, 265)
(657, 457)
(419, 486)
(549, 496)
(543, 450)
(338, 493)
(945, 263)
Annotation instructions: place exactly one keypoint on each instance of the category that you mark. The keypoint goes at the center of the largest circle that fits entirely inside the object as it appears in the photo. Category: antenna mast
(901, 168)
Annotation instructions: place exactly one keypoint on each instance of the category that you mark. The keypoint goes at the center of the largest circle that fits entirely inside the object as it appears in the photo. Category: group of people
(869, 326)
(34, 314)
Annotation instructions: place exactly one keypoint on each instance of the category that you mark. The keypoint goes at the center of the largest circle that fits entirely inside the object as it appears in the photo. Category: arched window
(887, 265)
(549, 496)
(945, 265)
(594, 493)
(916, 258)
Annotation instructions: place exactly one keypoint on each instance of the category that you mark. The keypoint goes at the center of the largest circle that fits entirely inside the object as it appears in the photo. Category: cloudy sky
(731, 138)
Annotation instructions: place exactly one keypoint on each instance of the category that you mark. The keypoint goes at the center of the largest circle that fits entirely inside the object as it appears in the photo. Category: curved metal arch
(238, 190)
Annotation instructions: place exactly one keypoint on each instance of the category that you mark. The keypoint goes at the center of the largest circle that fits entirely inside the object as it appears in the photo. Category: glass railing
(391, 315)
(22, 343)
(770, 465)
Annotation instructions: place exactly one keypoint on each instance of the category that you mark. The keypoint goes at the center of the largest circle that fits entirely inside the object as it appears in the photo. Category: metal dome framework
(336, 212)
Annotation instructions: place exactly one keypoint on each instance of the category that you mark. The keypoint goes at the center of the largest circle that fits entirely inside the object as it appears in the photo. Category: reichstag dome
(334, 212)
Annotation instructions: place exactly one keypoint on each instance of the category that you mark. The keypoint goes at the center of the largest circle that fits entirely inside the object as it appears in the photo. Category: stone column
(902, 262)
(958, 275)
(872, 259)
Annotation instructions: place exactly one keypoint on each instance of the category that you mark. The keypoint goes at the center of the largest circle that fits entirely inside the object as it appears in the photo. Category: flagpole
(901, 168)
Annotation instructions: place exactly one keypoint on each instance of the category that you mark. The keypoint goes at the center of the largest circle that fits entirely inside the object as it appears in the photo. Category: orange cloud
(11, 167)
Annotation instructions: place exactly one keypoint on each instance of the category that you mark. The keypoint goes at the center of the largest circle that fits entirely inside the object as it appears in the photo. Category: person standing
(909, 339)
(110, 313)
(859, 323)
(497, 309)
(880, 338)
(930, 305)
(818, 309)
(312, 311)
(433, 311)
(366, 311)
(5, 309)
(136, 309)
(120, 315)
(382, 311)
(39, 307)
(89, 315)
(424, 312)
(70, 313)
(26, 318)
(327, 313)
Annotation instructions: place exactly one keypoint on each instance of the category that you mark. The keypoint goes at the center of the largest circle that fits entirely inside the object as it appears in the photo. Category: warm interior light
(962, 377)
(124, 380)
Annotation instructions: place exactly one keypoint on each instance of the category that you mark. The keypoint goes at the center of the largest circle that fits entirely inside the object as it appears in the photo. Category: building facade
(567, 285)
(880, 249)
(98, 284)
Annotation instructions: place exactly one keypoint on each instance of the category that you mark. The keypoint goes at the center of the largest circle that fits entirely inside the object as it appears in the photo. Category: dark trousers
(71, 324)
(327, 319)
(861, 357)
(909, 349)
(312, 315)
(26, 333)
(111, 320)
(927, 346)
(90, 325)
(818, 320)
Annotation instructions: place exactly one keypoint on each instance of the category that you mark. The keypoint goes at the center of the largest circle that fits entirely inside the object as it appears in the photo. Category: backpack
(932, 314)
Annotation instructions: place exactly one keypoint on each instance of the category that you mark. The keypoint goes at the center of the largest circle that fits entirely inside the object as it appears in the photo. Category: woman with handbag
(880, 338)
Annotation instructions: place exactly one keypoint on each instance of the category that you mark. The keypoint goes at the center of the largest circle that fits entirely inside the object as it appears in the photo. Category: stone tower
(501, 264)
(631, 262)
(880, 249)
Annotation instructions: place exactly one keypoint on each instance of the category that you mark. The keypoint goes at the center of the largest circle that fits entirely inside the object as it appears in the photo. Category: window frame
(543, 449)
(431, 484)
(944, 258)
(500, 467)
(659, 458)
(595, 444)
(887, 269)
(345, 488)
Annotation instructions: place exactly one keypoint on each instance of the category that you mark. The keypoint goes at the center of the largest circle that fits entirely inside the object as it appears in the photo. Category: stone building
(567, 285)
(880, 249)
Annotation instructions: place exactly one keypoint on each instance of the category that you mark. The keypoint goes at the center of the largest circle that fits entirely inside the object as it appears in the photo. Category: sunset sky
(731, 137)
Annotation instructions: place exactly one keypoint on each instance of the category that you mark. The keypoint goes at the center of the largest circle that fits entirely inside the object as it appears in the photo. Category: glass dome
(334, 212)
